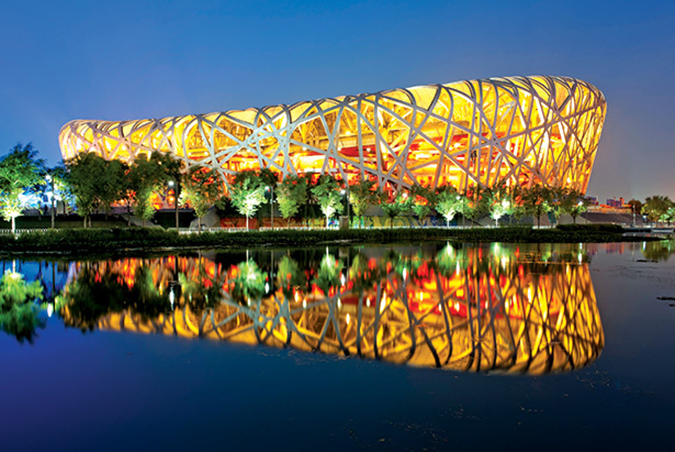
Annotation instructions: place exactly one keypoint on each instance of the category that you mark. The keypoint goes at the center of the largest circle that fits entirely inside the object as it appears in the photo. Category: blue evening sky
(66, 60)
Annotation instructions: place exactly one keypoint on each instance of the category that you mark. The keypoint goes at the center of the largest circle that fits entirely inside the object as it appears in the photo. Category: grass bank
(103, 241)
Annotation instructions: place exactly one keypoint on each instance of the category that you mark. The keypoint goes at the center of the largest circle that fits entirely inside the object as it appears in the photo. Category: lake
(414, 347)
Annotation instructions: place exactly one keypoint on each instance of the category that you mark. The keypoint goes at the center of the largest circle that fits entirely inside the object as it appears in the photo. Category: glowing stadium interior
(525, 130)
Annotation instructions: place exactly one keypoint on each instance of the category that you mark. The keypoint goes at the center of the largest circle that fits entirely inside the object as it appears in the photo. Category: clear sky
(66, 60)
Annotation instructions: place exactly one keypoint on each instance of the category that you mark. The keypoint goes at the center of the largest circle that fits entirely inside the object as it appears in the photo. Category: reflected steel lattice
(524, 130)
(492, 319)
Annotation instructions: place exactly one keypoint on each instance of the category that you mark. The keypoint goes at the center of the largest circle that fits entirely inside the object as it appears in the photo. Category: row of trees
(656, 208)
(249, 188)
(94, 184)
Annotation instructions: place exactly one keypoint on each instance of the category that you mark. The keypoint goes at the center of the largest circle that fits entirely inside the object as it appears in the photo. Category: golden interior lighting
(521, 130)
(459, 311)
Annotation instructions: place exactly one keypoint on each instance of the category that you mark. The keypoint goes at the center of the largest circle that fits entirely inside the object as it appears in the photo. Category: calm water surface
(432, 347)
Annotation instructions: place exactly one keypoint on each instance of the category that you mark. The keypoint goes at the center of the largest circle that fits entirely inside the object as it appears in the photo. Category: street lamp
(271, 190)
(50, 180)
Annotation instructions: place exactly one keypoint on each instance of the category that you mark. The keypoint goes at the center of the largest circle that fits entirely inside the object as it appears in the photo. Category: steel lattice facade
(521, 130)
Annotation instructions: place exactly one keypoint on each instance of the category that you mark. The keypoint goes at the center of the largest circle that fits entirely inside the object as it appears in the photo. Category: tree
(249, 282)
(635, 208)
(362, 194)
(562, 201)
(146, 176)
(396, 206)
(537, 201)
(83, 175)
(112, 183)
(448, 202)
(576, 205)
(499, 202)
(201, 189)
(327, 194)
(291, 194)
(172, 169)
(19, 171)
(423, 202)
(248, 193)
(669, 215)
(656, 206)
(18, 312)
(478, 203)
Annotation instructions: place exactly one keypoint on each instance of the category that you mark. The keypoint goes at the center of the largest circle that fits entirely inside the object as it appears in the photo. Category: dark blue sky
(132, 59)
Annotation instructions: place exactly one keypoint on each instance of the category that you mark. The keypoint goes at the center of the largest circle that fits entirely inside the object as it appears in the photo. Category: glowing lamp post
(271, 190)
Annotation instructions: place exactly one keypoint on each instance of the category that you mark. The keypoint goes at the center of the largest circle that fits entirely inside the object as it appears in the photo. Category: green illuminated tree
(328, 274)
(20, 170)
(18, 312)
(249, 284)
(655, 207)
(201, 188)
(573, 203)
(362, 195)
(327, 194)
(448, 202)
(146, 176)
(248, 193)
(291, 195)
(500, 202)
(399, 205)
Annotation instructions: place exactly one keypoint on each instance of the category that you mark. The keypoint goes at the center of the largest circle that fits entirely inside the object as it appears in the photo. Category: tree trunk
(247, 222)
(13, 225)
(85, 222)
(326, 221)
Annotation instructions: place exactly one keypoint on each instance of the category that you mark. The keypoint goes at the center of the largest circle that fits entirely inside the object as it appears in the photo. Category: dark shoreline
(134, 241)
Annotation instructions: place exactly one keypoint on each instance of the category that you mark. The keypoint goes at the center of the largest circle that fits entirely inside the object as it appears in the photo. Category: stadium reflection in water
(477, 309)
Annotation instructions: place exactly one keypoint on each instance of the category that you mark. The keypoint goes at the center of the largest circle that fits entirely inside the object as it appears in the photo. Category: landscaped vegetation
(92, 185)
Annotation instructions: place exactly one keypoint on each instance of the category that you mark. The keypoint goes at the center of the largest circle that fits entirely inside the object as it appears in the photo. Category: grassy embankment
(104, 241)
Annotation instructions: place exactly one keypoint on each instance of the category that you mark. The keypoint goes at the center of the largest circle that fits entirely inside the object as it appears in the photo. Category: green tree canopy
(20, 170)
(448, 202)
(655, 207)
(85, 175)
(423, 202)
(201, 188)
(537, 201)
(398, 205)
(248, 192)
(362, 194)
(500, 202)
(146, 176)
(291, 195)
(18, 312)
(327, 194)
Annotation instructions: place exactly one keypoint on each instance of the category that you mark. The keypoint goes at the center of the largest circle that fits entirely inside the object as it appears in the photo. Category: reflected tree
(249, 284)
(19, 315)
